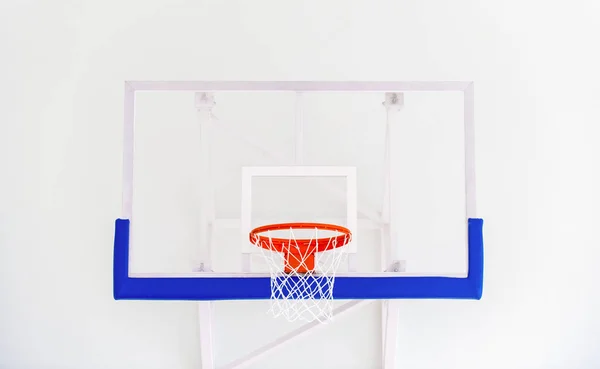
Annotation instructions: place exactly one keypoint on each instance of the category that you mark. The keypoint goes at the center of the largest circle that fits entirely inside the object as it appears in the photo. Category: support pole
(299, 131)
(289, 337)
(389, 234)
(390, 344)
(393, 104)
(204, 104)
(206, 336)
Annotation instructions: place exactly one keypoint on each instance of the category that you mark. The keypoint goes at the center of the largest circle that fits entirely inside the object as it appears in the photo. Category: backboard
(205, 162)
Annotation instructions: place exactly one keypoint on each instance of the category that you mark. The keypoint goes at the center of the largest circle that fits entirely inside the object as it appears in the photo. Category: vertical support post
(246, 215)
(385, 217)
(205, 102)
(299, 131)
(389, 234)
(385, 208)
(393, 104)
(390, 348)
(206, 337)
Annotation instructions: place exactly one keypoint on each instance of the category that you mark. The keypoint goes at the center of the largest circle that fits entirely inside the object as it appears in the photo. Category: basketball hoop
(302, 268)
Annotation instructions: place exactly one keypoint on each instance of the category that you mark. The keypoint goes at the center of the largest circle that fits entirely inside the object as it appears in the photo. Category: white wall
(62, 67)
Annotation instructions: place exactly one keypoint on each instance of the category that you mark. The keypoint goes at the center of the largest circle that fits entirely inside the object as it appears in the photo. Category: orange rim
(299, 255)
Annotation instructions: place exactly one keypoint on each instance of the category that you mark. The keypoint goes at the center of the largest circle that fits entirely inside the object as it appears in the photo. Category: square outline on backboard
(210, 286)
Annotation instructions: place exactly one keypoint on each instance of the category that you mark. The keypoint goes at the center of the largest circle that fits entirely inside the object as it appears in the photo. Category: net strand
(303, 296)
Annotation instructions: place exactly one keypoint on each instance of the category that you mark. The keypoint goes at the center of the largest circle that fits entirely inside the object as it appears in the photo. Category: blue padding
(249, 288)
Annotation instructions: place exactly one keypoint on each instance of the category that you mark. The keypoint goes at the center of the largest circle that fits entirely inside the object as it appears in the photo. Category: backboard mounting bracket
(398, 266)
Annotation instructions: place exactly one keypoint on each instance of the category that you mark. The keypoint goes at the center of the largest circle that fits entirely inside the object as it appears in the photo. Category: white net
(302, 280)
